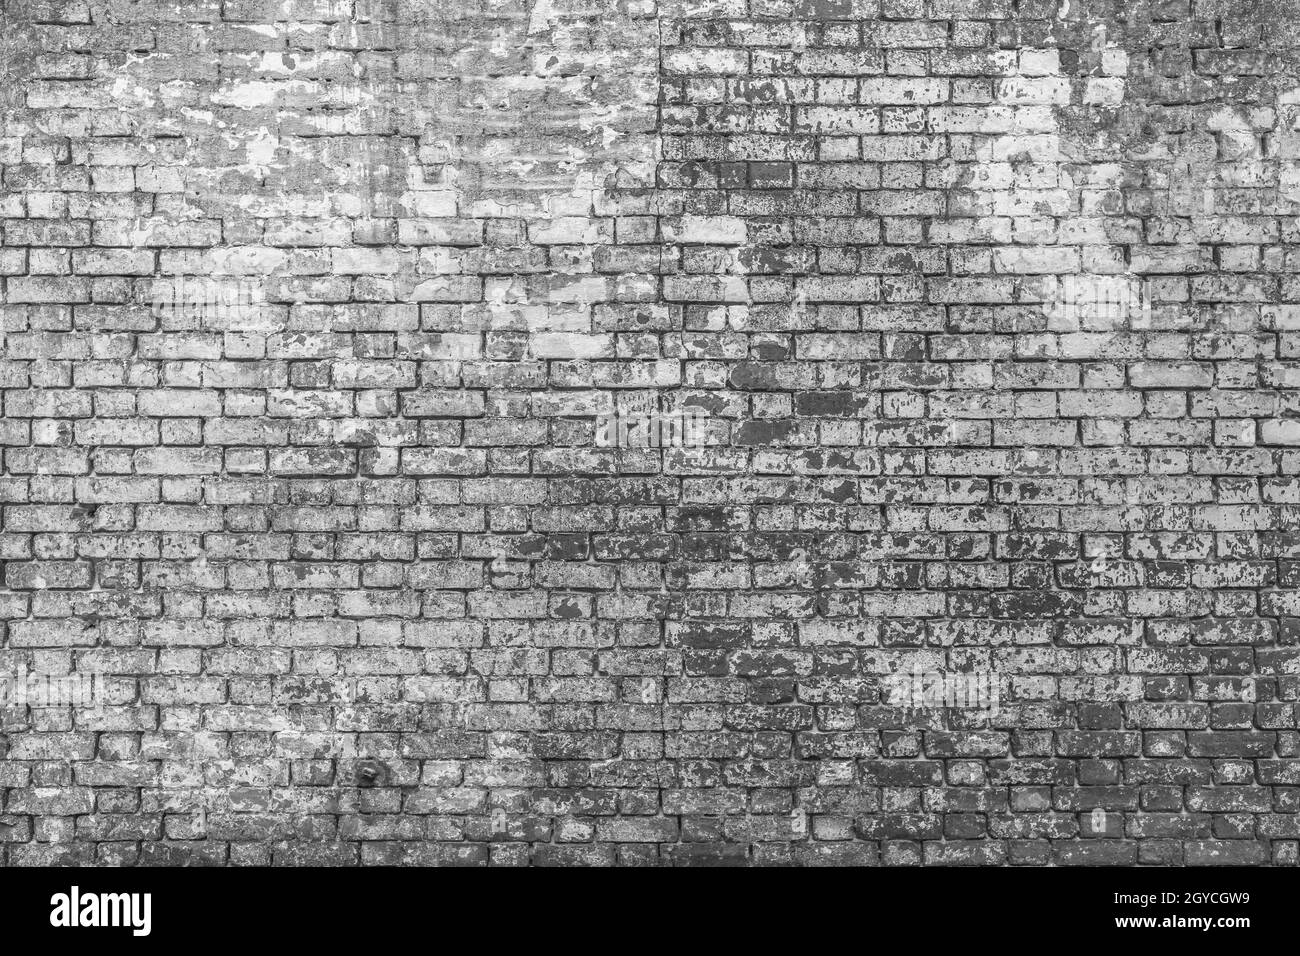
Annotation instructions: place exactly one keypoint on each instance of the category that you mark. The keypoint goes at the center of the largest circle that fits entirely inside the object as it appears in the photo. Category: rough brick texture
(987, 311)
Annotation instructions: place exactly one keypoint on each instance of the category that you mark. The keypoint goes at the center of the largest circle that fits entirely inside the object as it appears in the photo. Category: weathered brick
(827, 432)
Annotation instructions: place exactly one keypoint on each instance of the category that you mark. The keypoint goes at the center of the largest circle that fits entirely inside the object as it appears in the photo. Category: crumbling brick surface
(650, 432)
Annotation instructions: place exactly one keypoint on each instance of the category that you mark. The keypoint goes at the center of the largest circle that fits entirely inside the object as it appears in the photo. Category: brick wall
(650, 431)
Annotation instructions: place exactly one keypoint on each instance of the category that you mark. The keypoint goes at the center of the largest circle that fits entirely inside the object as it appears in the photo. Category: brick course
(595, 432)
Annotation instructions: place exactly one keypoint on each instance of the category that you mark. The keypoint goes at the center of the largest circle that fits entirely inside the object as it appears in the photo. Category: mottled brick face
(650, 431)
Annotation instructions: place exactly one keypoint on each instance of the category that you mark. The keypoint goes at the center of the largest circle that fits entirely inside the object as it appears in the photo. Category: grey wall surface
(650, 432)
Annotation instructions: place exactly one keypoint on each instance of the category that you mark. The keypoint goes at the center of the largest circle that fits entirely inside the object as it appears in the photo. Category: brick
(957, 497)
